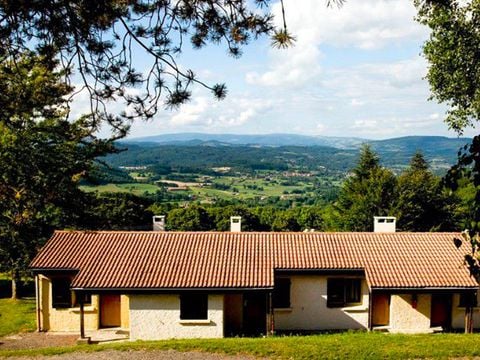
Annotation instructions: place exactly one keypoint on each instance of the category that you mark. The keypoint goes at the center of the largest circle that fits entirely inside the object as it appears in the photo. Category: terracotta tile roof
(148, 260)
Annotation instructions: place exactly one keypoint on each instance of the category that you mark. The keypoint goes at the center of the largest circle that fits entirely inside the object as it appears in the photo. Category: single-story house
(158, 284)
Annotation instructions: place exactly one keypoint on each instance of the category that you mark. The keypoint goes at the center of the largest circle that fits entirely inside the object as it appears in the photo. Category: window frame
(188, 304)
(343, 292)
(282, 288)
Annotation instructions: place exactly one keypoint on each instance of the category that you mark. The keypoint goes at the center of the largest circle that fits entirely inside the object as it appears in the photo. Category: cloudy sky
(354, 71)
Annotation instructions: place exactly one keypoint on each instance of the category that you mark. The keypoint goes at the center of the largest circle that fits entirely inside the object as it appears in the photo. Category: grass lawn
(16, 316)
(350, 345)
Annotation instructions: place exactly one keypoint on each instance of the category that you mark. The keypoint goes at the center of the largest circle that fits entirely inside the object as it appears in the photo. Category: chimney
(159, 223)
(384, 224)
(235, 224)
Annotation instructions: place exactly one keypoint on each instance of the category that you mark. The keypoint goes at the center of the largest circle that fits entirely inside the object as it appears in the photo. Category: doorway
(110, 311)
(441, 312)
(380, 309)
(254, 314)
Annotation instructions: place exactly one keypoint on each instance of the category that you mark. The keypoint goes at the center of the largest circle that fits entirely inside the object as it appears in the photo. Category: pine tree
(422, 205)
(369, 192)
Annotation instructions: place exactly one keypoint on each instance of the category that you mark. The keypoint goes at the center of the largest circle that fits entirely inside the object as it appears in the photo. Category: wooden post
(38, 302)
(468, 320)
(82, 317)
(272, 317)
(370, 303)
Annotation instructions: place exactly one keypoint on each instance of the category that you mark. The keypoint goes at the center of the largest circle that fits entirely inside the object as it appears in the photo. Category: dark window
(194, 307)
(281, 293)
(468, 300)
(342, 292)
(61, 294)
(87, 299)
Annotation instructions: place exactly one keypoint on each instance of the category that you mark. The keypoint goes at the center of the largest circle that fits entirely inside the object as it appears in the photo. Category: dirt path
(35, 340)
(136, 355)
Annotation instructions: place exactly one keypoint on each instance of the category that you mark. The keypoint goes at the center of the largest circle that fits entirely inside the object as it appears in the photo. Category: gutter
(166, 290)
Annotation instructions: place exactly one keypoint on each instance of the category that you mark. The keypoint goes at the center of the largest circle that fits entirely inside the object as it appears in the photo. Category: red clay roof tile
(152, 260)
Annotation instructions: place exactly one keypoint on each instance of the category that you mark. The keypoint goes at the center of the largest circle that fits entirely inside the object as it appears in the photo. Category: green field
(16, 316)
(134, 188)
(348, 345)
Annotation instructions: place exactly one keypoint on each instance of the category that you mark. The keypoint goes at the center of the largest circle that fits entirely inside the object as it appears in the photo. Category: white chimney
(384, 224)
(235, 223)
(159, 223)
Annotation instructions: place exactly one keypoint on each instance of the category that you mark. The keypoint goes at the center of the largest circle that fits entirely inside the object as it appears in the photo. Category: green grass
(350, 345)
(16, 316)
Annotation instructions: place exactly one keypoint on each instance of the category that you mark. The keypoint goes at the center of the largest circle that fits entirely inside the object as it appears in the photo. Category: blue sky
(354, 71)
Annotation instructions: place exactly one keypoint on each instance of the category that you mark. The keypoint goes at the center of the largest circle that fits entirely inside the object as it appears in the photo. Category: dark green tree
(116, 211)
(422, 204)
(368, 192)
(42, 156)
(191, 218)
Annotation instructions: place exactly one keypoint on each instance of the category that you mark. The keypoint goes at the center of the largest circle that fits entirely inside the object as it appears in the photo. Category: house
(158, 284)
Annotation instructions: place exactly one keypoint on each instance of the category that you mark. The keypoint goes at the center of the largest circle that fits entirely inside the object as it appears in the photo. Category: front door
(110, 310)
(254, 314)
(380, 309)
(441, 314)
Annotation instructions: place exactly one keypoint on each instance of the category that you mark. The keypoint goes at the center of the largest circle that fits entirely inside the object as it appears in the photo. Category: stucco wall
(406, 319)
(458, 313)
(155, 317)
(309, 311)
(65, 319)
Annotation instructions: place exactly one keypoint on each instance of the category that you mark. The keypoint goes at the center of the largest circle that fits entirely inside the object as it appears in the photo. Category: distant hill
(201, 152)
(410, 144)
(191, 139)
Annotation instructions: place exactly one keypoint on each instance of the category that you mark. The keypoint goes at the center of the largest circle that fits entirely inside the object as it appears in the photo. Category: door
(441, 314)
(254, 314)
(380, 309)
(110, 310)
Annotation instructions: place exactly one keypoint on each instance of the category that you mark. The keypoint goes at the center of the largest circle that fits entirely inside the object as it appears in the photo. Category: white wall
(154, 317)
(309, 311)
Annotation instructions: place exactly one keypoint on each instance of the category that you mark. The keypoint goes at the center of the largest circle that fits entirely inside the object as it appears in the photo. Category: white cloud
(359, 23)
(356, 102)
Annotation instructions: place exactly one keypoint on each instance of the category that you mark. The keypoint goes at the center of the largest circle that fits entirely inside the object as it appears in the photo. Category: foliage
(42, 156)
(117, 211)
(345, 345)
(453, 53)
(16, 316)
(369, 192)
(105, 39)
(192, 218)
(422, 204)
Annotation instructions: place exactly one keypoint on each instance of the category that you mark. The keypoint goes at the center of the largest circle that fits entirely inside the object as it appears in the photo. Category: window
(468, 300)
(281, 293)
(343, 291)
(194, 307)
(61, 294)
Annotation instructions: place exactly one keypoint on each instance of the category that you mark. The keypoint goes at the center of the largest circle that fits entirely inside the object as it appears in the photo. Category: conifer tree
(368, 192)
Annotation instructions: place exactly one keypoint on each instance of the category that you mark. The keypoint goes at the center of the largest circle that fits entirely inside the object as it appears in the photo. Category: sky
(354, 71)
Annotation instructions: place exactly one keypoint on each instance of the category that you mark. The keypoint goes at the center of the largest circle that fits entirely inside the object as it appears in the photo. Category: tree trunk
(14, 285)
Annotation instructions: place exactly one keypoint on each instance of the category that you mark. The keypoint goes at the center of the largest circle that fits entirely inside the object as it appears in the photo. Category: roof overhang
(170, 290)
